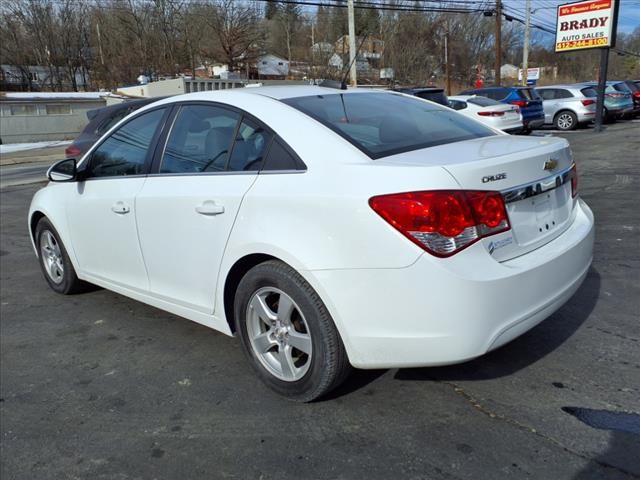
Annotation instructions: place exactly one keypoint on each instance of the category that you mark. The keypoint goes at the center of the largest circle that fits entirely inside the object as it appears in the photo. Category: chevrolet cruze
(327, 229)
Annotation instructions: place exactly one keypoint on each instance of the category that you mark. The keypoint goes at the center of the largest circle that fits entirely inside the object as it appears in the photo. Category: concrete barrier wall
(37, 125)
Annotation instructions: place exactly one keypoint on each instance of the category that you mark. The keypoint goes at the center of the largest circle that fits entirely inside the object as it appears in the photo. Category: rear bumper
(533, 123)
(445, 311)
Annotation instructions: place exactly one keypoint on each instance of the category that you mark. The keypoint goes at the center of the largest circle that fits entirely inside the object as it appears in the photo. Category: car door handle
(210, 208)
(120, 208)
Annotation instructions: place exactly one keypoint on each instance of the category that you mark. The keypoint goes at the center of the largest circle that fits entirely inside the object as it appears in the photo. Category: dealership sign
(589, 24)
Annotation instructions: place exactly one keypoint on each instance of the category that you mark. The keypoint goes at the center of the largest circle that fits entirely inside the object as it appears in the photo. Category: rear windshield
(382, 124)
(589, 92)
(483, 101)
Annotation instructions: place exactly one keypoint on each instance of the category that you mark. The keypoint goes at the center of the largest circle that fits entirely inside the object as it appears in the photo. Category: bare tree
(236, 27)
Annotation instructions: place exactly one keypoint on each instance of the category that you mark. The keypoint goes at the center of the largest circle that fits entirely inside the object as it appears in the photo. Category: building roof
(26, 96)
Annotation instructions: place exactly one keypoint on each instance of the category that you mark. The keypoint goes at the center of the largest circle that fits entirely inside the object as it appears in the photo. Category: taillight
(573, 174)
(587, 102)
(520, 103)
(636, 94)
(72, 151)
(490, 114)
(443, 222)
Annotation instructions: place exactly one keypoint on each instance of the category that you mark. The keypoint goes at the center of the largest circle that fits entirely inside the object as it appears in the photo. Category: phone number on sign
(592, 42)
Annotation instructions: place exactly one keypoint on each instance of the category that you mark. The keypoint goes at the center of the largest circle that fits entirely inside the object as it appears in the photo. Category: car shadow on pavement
(620, 459)
(525, 350)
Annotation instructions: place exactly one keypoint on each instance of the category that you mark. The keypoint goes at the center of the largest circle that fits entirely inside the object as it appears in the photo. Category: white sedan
(503, 116)
(325, 228)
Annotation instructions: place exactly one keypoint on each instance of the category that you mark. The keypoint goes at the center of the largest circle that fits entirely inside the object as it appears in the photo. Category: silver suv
(567, 106)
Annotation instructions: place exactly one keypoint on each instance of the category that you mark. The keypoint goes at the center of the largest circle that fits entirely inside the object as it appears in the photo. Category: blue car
(526, 98)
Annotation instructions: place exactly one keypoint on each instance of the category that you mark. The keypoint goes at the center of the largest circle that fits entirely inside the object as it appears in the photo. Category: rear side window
(589, 92)
(483, 102)
(200, 140)
(250, 146)
(125, 151)
(382, 124)
(279, 158)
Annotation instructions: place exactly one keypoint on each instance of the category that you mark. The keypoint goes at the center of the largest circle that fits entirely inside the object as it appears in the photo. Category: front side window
(547, 93)
(125, 151)
(200, 140)
(385, 123)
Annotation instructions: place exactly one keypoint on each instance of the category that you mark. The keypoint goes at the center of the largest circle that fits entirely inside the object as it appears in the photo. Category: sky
(544, 12)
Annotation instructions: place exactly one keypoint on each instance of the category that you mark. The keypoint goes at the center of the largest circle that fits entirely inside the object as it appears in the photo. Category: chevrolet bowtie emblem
(550, 164)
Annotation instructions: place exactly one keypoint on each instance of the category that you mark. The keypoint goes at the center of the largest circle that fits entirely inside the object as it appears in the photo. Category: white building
(270, 65)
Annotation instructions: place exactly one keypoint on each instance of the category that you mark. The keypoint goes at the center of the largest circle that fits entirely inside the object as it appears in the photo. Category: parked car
(325, 228)
(507, 118)
(100, 121)
(526, 98)
(616, 104)
(567, 106)
(434, 94)
(627, 86)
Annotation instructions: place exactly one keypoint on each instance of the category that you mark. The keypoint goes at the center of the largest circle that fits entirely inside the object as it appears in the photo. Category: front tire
(54, 260)
(565, 121)
(287, 333)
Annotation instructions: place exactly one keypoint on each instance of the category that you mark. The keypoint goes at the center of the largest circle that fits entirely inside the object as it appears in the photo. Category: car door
(101, 208)
(548, 103)
(187, 208)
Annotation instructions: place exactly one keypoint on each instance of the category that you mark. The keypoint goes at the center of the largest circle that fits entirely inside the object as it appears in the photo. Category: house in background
(37, 78)
(369, 48)
(269, 67)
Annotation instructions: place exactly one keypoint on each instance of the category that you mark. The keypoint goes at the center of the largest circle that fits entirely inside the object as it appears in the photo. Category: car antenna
(342, 85)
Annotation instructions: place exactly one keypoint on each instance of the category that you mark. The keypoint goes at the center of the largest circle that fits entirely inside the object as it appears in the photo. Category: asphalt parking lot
(97, 386)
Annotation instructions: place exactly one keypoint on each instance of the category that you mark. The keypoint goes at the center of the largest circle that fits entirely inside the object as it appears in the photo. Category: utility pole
(446, 58)
(498, 40)
(602, 84)
(99, 43)
(525, 50)
(352, 44)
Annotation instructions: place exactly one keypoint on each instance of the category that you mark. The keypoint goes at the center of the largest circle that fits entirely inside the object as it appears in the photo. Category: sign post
(589, 24)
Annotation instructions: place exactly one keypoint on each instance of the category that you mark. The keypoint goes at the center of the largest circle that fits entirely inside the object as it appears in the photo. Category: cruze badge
(494, 178)
(550, 164)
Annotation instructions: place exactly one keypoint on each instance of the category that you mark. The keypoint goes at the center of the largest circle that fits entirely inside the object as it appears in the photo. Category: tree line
(112, 42)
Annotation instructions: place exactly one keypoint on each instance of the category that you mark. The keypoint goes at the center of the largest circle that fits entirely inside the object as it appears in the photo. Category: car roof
(560, 86)
(282, 92)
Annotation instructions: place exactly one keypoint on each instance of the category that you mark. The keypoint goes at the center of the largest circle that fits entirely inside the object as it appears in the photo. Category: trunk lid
(532, 173)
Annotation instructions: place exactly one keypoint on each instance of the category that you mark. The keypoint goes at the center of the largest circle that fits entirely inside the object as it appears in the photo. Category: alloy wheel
(565, 121)
(278, 334)
(51, 257)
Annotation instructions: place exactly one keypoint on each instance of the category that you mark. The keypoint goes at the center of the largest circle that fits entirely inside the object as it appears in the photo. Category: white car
(503, 116)
(325, 228)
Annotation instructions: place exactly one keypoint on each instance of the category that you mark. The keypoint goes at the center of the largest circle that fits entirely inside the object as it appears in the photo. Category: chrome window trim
(528, 190)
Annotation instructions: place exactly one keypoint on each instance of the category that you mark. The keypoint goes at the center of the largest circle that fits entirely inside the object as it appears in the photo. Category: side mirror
(63, 171)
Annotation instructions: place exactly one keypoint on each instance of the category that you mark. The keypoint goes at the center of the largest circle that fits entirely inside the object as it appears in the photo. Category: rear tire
(565, 120)
(54, 260)
(287, 333)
